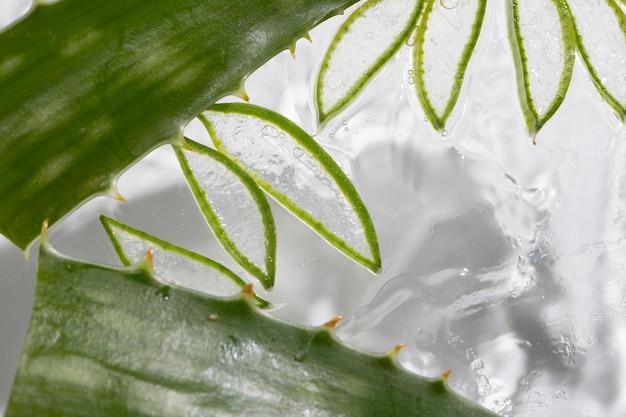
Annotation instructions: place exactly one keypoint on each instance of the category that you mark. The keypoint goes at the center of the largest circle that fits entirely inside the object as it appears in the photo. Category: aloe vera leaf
(603, 51)
(446, 37)
(89, 87)
(544, 48)
(363, 44)
(114, 342)
(296, 171)
(234, 207)
(171, 262)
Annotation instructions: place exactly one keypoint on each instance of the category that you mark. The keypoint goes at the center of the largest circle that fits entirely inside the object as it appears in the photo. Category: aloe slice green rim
(211, 216)
(308, 144)
(611, 100)
(438, 121)
(534, 122)
(367, 73)
(116, 341)
(110, 224)
(90, 87)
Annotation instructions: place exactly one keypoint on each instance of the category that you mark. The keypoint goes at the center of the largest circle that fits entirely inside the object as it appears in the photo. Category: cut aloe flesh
(544, 49)
(89, 87)
(445, 41)
(291, 167)
(363, 44)
(601, 36)
(171, 262)
(118, 342)
(234, 207)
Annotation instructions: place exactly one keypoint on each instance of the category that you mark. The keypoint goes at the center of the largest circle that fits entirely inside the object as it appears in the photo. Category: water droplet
(164, 292)
(334, 79)
(298, 152)
(566, 346)
(484, 386)
(240, 133)
(395, 9)
(301, 355)
(477, 364)
(444, 133)
(470, 354)
(448, 4)
(411, 80)
(269, 130)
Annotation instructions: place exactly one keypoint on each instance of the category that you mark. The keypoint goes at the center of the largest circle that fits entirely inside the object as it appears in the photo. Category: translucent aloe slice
(363, 44)
(445, 41)
(171, 262)
(601, 37)
(544, 49)
(234, 207)
(291, 167)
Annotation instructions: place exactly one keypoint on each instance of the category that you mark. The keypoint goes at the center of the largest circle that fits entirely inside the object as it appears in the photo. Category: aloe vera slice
(544, 49)
(601, 38)
(234, 207)
(363, 44)
(118, 342)
(89, 87)
(171, 262)
(445, 41)
(291, 167)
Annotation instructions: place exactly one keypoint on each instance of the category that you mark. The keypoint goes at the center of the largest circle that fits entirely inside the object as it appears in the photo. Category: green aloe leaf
(118, 342)
(291, 167)
(603, 50)
(445, 42)
(363, 44)
(234, 207)
(89, 87)
(544, 49)
(171, 262)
